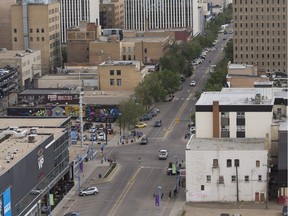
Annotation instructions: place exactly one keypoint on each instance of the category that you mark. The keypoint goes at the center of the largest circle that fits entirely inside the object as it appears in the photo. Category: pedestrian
(175, 192)
(170, 194)
(139, 160)
(162, 195)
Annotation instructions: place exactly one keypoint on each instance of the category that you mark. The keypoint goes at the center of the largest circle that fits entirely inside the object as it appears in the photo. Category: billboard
(6, 197)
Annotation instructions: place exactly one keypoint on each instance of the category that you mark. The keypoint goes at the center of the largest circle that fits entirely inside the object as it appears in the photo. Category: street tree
(130, 114)
(169, 81)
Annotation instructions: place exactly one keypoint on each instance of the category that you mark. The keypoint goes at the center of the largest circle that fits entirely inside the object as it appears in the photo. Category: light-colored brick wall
(244, 82)
(102, 51)
(130, 77)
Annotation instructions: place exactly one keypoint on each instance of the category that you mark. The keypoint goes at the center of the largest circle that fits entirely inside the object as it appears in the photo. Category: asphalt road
(130, 191)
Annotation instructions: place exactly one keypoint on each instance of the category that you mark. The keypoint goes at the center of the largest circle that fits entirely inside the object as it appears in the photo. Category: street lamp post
(158, 198)
(120, 122)
(176, 163)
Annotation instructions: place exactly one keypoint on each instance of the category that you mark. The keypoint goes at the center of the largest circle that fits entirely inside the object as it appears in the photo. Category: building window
(236, 163)
(112, 82)
(259, 177)
(257, 163)
(15, 39)
(111, 72)
(31, 38)
(145, 50)
(233, 178)
(240, 114)
(31, 30)
(215, 162)
(42, 30)
(229, 162)
(202, 187)
(37, 30)
(129, 49)
(225, 114)
(118, 72)
(15, 30)
(241, 128)
(119, 82)
(246, 178)
(129, 57)
(124, 57)
(42, 38)
(208, 178)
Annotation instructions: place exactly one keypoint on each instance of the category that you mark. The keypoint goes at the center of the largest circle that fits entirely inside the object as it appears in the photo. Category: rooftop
(145, 39)
(6, 54)
(15, 142)
(226, 144)
(119, 63)
(239, 66)
(45, 91)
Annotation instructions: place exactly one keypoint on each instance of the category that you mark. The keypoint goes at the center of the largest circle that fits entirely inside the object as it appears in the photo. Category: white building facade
(74, 11)
(160, 14)
(226, 170)
(234, 113)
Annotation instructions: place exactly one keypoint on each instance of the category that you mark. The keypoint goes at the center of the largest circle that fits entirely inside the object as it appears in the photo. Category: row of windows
(261, 25)
(233, 178)
(112, 72)
(118, 82)
(262, 9)
(239, 114)
(37, 39)
(262, 1)
(52, 11)
(260, 63)
(261, 33)
(269, 56)
(236, 163)
(262, 17)
(262, 40)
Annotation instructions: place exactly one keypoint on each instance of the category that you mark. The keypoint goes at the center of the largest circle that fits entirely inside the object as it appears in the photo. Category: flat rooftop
(145, 39)
(119, 63)
(229, 144)
(231, 98)
(17, 145)
(45, 91)
(239, 66)
(8, 54)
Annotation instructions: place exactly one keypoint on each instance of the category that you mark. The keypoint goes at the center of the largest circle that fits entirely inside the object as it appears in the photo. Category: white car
(101, 136)
(89, 191)
(92, 129)
(192, 83)
(163, 154)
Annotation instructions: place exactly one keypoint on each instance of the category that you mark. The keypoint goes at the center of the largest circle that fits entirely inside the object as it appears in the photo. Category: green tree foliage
(130, 113)
(229, 50)
(169, 80)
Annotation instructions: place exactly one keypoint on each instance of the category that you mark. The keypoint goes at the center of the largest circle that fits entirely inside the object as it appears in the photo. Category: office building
(260, 34)
(74, 11)
(5, 23)
(112, 14)
(36, 26)
(148, 15)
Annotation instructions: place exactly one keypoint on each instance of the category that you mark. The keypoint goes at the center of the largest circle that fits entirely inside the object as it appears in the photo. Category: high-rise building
(111, 14)
(260, 34)
(74, 11)
(36, 25)
(5, 23)
(147, 15)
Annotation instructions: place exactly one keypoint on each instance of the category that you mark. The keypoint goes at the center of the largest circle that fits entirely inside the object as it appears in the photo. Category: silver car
(89, 191)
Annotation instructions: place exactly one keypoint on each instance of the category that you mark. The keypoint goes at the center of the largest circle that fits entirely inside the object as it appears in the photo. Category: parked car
(155, 109)
(191, 124)
(188, 135)
(146, 117)
(140, 125)
(144, 140)
(169, 98)
(101, 136)
(89, 191)
(193, 83)
(153, 112)
(87, 125)
(84, 137)
(157, 123)
(72, 214)
(93, 137)
(92, 129)
(163, 154)
(192, 129)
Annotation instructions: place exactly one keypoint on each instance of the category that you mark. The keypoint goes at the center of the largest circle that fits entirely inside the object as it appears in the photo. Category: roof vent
(19, 54)
(257, 99)
(32, 138)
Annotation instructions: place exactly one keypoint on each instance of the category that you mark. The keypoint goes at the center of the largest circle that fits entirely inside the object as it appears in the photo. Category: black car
(146, 117)
(191, 124)
(144, 140)
(285, 210)
(87, 125)
(157, 123)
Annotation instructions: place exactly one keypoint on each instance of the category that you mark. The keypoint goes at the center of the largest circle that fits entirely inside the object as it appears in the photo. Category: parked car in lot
(157, 123)
(169, 98)
(87, 125)
(188, 135)
(89, 191)
(93, 137)
(140, 125)
(191, 124)
(193, 83)
(146, 117)
(101, 136)
(144, 140)
(92, 129)
(163, 154)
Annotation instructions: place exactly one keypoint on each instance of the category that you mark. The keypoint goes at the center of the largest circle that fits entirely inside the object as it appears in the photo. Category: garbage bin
(100, 176)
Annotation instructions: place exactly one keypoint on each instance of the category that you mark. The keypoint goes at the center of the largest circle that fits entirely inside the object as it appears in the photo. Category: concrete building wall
(5, 23)
(253, 127)
(244, 81)
(199, 164)
(204, 123)
(43, 32)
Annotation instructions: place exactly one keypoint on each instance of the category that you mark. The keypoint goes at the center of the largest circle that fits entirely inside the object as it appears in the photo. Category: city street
(131, 190)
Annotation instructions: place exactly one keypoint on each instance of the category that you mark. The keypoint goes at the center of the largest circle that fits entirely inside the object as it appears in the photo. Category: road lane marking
(123, 194)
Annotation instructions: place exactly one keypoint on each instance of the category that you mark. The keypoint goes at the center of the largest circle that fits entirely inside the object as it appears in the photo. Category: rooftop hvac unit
(32, 138)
